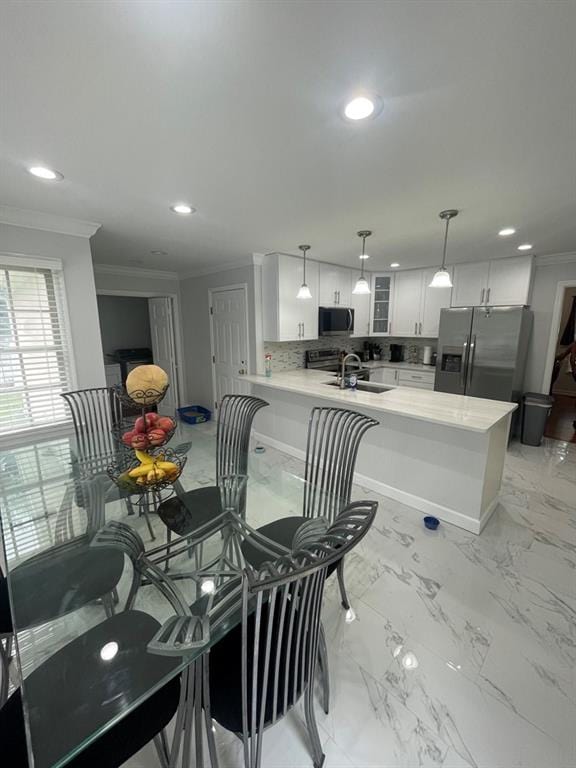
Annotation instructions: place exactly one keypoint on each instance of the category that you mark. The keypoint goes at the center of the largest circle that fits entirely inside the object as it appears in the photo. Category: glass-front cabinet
(382, 286)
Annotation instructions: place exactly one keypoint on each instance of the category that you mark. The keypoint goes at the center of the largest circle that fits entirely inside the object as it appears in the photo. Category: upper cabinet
(335, 287)
(360, 303)
(382, 287)
(415, 306)
(497, 283)
(286, 318)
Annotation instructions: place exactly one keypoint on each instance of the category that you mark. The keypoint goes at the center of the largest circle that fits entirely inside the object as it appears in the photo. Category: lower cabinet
(401, 377)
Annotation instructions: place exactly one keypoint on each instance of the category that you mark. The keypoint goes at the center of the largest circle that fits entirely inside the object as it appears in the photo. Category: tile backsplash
(291, 354)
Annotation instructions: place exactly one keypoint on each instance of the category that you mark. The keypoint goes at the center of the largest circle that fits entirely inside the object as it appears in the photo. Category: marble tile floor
(463, 651)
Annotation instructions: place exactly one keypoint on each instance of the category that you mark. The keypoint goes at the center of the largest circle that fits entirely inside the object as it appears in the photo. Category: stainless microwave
(335, 321)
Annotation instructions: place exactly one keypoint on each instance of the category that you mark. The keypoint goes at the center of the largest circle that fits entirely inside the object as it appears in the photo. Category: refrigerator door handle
(482, 295)
(488, 295)
(464, 368)
(470, 366)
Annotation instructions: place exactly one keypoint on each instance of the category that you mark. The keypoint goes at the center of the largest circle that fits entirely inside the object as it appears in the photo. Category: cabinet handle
(482, 295)
(420, 328)
(488, 295)
(415, 329)
(303, 331)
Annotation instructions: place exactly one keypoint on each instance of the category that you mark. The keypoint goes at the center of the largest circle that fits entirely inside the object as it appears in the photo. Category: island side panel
(497, 446)
(437, 469)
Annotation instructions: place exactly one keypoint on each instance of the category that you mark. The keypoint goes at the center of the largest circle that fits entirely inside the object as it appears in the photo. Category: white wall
(74, 252)
(135, 280)
(546, 279)
(196, 329)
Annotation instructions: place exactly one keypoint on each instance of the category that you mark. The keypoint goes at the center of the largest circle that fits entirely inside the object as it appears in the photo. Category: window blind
(35, 347)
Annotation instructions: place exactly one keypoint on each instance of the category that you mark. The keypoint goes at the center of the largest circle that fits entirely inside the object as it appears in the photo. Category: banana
(140, 471)
(167, 466)
(143, 457)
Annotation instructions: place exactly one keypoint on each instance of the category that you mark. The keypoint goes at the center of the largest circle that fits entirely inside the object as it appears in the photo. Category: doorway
(139, 329)
(562, 422)
(229, 340)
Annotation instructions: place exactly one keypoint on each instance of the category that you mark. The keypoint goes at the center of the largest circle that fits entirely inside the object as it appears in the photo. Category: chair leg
(318, 755)
(343, 595)
(161, 745)
(5, 672)
(168, 548)
(108, 603)
(324, 670)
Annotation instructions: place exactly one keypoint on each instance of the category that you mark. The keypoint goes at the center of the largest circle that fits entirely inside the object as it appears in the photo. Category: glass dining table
(107, 607)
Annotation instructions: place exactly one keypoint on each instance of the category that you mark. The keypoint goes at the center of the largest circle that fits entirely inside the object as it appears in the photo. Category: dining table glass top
(102, 618)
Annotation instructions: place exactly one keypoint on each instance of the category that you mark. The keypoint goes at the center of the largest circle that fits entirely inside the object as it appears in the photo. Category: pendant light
(304, 291)
(362, 286)
(441, 278)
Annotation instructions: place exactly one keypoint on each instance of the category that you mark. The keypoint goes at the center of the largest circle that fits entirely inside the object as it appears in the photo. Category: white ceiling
(234, 107)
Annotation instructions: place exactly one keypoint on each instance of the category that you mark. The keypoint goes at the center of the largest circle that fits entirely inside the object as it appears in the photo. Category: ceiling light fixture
(362, 286)
(359, 108)
(182, 208)
(525, 247)
(507, 231)
(304, 291)
(159, 253)
(394, 264)
(441, 278)
(48, 174)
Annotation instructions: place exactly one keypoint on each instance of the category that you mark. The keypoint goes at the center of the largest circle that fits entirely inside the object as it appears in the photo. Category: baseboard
(445, 514)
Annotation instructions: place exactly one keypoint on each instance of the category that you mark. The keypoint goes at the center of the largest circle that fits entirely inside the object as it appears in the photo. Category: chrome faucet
(343, 367)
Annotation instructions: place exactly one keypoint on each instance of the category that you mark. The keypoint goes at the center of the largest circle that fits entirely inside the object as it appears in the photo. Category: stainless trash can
(535, 411)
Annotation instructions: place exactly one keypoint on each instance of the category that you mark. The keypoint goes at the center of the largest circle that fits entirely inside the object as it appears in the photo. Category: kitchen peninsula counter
(440, 453)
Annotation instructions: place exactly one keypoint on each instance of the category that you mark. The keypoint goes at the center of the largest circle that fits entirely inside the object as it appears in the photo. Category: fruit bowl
(146, 432)
(132, 475)
(141, 398)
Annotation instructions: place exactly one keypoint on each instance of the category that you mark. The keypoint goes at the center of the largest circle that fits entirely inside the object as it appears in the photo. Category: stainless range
(329, 360)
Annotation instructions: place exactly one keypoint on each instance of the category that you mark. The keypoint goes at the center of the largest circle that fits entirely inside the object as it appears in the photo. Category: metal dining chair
(334, 436)
(195, 514)
(267, 663)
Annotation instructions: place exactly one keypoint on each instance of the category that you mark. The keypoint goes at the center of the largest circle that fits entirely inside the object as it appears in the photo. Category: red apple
(140, 425)
(156, 436)
(143, 423)
(165, 423)
(127, 437)
(140, 442)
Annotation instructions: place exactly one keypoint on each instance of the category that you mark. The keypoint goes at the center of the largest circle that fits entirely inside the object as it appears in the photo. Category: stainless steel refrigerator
(482, 351)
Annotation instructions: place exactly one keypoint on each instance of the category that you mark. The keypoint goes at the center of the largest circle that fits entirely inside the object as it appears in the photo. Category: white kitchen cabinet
(286, 318)
(360, 303)
(509, 281)
(406, 302)
(380, 316)
(384, 375)
(416, 379)
(432, 301)
(335, 286)
(470, 283)
(497, 283)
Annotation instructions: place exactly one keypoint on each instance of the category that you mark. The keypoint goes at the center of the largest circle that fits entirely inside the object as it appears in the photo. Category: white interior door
(164, 348)
(229, 342)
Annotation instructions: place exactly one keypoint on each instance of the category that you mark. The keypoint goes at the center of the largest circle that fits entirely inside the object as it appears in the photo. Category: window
(35, 349)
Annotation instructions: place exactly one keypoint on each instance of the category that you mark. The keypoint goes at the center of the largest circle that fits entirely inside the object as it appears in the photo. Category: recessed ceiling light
(394, 264)
(159, 253)
(507, 231)
(525, 247)
(182, 208)
(45, 173)
(362, 107)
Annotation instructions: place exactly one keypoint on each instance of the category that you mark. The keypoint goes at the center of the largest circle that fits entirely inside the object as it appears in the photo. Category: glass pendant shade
(304, 292)
(362, 287)
(441, 279)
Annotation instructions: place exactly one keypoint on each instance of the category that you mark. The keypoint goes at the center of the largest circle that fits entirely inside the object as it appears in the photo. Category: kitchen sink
(363, 386)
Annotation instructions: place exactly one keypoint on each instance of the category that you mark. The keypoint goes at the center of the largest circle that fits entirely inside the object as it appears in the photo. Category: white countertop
(470, 413)
(401, 366)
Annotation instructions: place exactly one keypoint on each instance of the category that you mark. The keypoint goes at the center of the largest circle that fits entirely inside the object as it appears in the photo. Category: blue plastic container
(431, 523)
(194, 414)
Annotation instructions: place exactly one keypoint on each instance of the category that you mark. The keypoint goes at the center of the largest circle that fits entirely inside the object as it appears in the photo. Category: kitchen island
(440, 453)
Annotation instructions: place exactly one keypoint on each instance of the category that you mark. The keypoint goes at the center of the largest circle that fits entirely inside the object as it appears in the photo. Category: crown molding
(215, 269)
(115, 269)
(555, 258)
(21, 217)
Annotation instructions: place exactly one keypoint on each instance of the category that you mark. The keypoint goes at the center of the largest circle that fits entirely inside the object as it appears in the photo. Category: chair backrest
(235, 418)
(95, 412)
(281, 606)
(334, 436)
